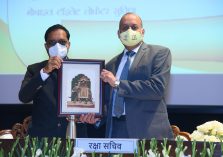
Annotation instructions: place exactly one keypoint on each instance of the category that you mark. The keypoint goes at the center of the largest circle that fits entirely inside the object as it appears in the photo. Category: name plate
(108, 145)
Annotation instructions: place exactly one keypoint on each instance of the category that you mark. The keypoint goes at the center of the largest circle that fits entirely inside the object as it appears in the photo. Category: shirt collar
(134, 50)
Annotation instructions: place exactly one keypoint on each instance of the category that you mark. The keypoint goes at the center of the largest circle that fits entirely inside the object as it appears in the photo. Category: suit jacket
(143, 92)
(44, 94)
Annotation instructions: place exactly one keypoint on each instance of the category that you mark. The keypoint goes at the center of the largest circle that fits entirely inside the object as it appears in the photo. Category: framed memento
(80, 87)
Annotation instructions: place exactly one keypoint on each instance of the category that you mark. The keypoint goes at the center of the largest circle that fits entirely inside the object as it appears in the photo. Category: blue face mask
(58, 50)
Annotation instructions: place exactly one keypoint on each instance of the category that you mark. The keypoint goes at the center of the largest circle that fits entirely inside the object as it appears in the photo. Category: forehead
(57, 34)
(130, 19)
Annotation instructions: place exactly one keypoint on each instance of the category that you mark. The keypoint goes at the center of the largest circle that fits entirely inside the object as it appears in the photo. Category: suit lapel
(139, 55)
(117, 62)
(114, 69)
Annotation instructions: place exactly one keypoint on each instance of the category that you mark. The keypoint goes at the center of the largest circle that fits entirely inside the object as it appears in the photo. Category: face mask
(130, 37)
(58, 50)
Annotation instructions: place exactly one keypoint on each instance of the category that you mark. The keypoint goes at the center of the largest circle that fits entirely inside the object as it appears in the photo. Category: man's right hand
(89, 118)
(53, 63)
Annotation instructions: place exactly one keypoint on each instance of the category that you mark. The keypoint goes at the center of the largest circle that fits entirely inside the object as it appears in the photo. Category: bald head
(128, 17)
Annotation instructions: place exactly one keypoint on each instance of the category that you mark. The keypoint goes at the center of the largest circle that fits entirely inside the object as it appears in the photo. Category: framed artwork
(80, 87)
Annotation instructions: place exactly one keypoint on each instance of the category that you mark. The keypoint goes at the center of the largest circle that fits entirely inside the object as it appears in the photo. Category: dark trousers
(119, 128)
(81, 130)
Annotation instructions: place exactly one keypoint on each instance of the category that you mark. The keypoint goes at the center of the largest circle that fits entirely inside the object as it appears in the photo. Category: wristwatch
(117, 82)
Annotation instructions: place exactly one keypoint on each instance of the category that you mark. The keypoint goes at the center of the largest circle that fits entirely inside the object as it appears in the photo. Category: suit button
(59, 125)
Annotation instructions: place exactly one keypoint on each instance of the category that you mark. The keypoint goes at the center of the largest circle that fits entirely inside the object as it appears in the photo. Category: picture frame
(80, 88)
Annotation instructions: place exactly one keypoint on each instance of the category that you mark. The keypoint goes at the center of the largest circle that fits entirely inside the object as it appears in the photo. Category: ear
(143, 31)
(118, 33)
(47, 50)
(68, 45)
(45, 45)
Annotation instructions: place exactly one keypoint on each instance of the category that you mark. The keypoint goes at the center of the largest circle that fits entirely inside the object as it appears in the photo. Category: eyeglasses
(53, 42)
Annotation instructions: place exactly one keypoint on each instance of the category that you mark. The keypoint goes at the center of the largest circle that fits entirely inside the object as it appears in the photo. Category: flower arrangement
(56, 147)
(211, 131)
(34, 147)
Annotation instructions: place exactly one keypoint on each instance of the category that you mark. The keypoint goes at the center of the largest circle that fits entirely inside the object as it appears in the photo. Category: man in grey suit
(135, 102)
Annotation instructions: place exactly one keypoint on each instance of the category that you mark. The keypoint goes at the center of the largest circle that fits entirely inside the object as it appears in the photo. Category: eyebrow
(124, 25)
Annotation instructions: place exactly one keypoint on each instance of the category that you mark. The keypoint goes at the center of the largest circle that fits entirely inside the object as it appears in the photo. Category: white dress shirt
(43, 75)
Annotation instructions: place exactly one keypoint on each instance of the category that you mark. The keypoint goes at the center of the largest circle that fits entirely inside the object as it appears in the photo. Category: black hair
(55, 27)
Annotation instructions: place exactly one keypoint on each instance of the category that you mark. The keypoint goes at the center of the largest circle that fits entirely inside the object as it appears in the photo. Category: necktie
(119, 101)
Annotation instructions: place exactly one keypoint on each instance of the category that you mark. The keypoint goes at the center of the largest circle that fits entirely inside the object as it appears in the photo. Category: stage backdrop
(191, 29)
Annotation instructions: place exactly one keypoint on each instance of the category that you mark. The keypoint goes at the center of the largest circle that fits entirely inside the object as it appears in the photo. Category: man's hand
(53, 63)
(108, 76)
(89, 118)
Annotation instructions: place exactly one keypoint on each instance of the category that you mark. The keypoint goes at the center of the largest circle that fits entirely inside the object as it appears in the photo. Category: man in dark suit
(135, 101)
(40, 86)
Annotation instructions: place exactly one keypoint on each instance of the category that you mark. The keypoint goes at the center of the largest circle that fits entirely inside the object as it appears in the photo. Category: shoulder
(37, 66)
(155, 53)
(113, 60)
(155, 48)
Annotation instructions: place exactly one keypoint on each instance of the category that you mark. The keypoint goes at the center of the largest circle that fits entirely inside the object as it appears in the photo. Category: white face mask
(130, 37)
(58, 50)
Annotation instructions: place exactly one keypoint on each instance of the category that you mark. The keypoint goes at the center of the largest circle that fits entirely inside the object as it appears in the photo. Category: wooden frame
(80, 87)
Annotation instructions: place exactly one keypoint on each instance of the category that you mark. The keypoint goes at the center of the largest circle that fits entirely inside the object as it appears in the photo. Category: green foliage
(69, 146)
(143, 144)
(45, 147)
(1, 152)
(24, 148)
(153, 147)
(180, 147)
(138, 152)
(194, 150)
(30, 147)
(210, 150)
(11, 153)
(221, 146)
(166, 150)
(117, 155)
(204, 150)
